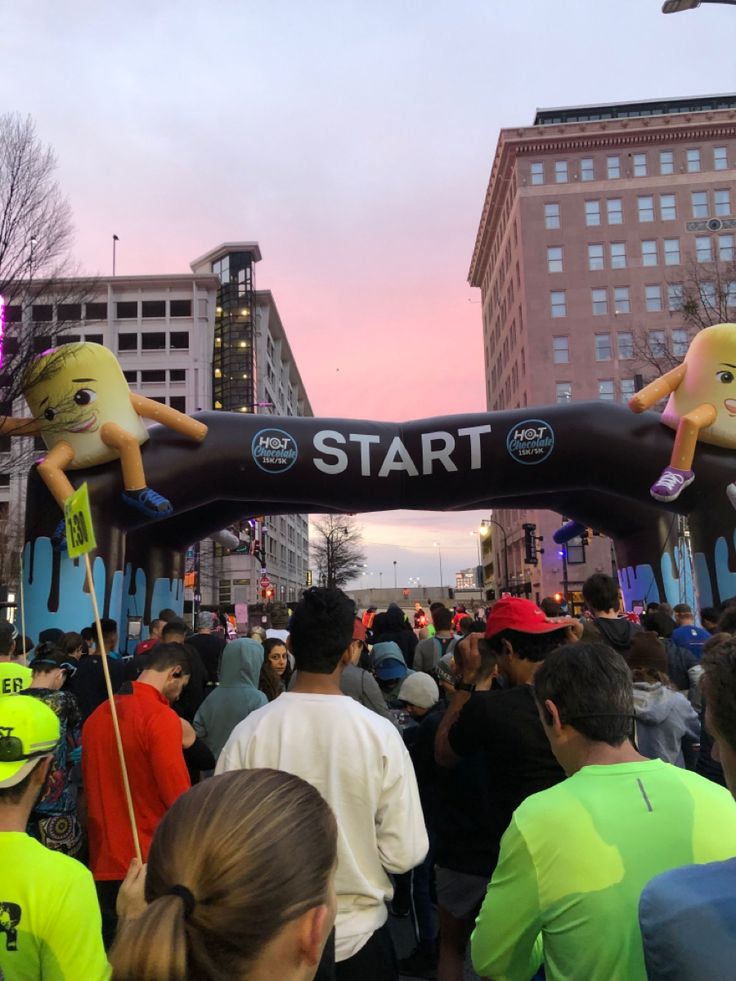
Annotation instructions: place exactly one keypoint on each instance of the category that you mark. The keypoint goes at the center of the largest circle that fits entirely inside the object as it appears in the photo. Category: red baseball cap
(359, 632)
(515, 613)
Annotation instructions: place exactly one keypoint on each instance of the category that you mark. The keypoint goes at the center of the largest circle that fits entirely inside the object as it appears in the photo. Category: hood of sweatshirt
(387, 649)
(653, 702)
(394, 618)
(241, 664)
(618, 633)
(235, 697)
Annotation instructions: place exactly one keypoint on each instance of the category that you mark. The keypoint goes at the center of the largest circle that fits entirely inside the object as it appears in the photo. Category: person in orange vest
(368, 617)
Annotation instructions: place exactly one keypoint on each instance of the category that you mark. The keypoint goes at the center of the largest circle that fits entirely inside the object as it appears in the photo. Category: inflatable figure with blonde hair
(701, 406)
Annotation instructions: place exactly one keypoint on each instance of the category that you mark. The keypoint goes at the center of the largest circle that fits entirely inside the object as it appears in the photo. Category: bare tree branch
(337, 549)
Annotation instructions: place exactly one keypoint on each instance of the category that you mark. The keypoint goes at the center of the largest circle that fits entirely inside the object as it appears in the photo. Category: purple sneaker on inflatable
(672, 482)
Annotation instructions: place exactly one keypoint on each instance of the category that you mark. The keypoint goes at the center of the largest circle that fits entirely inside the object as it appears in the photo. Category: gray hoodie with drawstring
(664, 719)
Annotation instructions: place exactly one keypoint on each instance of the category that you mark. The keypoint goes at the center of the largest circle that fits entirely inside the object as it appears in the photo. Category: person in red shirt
(154, 636)
(151, 733)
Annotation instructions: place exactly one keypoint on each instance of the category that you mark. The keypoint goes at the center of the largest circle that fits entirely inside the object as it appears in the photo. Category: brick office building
(591, 220)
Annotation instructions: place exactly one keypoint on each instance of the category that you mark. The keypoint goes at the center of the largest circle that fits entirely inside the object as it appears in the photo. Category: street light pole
(115, 241)
(442, 578)
(396, 583)
(676, 6)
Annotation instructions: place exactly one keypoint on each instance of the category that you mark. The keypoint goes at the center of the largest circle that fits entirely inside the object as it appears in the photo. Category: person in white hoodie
(358, 762)
(665, 720)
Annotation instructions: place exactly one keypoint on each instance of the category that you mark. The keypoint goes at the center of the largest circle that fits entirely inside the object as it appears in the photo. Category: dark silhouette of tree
(337, 549)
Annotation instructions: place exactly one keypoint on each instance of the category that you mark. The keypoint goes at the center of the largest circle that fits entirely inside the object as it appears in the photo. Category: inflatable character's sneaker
(58, 539)
(731, 494)
(148, 502)
(672, 482)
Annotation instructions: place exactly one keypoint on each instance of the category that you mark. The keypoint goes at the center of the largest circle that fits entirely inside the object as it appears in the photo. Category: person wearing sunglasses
(53, 820)
(49, 917)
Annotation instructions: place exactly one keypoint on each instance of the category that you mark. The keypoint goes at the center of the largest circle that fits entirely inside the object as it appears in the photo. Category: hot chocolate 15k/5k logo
(274, 451)
(530, 441)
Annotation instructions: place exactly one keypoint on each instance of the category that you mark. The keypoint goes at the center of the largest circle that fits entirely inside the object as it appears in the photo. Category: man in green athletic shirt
(576, 857)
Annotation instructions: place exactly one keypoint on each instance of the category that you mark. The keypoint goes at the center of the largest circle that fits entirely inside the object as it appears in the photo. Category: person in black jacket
(393, 625)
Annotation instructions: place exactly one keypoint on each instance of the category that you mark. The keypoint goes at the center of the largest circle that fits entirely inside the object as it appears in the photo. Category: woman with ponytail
(226, 897)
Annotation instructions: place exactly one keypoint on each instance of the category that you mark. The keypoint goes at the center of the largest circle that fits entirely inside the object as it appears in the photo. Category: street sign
(80, 535)
(265, 582)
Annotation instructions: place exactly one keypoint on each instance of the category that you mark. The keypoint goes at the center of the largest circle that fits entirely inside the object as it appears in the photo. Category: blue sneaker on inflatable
(148, 502)
(58, 539)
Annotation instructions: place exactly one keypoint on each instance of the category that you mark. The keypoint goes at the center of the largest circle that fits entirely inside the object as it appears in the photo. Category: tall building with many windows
(594, 218)
(200, 340)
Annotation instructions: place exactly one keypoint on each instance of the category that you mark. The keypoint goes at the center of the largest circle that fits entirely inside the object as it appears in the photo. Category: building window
(725, 248)
(13, 313)
(613, 167)
(537, 173)
(42, 343)
(551, 216)
(69, 311)
(621, 300)
(561, 350)
(708, 294)
(646, 207)
(558, 303)
(679, 343)
(667, 207)
(672, 252)
(649, 252)
(180, 308)
(703, 248)
(94, 338)
(127, 342)
(554, 259)
(177, 375)
(596, 260)
(592, 212)
(653, 298)
(600, 303)
(699, 201)
(606, 391)
(674, 297)
(656, 343)
(666, 162)
(148, 377)
(560, 171)
(640, 165)
(126, 310)
(131, 377)
(731, 294)
(178, 402)
(586, 169)
(625, 346)
(722, 201)
(66, 339)
(95, 311)
(153, 342)
(720, 158)
(179, 340)
(603, 350)
(563, 391)
(42, 313)
(618, 255)
(153, 308)
(615, 211)
(693, 161)
(628, 389)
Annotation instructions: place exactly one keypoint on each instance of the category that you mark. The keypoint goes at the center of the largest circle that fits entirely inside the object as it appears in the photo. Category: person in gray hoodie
(235, 697)
(666, 723)
(390, 669)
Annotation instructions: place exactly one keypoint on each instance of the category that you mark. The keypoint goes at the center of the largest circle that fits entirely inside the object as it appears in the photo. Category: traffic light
(310, 577)
(530, 543)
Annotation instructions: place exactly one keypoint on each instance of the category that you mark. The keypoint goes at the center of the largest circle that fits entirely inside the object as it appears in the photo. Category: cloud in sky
(353, 140)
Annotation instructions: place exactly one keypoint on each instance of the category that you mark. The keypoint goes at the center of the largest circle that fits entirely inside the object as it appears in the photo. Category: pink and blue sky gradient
(353, 140)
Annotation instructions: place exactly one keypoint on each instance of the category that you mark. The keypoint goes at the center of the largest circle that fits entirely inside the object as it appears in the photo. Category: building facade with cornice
(593, 219)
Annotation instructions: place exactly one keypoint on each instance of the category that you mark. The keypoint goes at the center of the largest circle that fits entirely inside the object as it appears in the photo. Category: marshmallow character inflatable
(701, 406)
(86, 414)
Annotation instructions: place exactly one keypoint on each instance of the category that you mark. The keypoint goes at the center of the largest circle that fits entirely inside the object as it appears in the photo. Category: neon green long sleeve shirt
(575, 859)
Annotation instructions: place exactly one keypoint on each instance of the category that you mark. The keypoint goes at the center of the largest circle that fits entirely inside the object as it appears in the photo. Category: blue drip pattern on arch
(75, 604)
(677, 578)
(638, 583)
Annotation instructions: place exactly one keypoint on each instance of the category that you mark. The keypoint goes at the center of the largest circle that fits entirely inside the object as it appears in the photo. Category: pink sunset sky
(353, 141)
